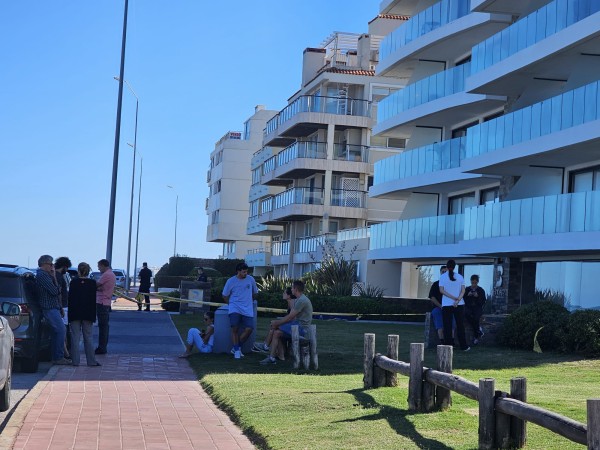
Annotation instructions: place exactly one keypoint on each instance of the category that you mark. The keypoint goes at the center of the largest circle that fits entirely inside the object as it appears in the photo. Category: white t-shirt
(452, 287)
(240, 292)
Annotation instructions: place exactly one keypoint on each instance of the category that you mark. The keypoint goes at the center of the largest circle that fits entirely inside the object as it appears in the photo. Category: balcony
(305, 115)
(349, 152)
(280, 252)
(292, 204)
(547, 24)
(552, 224)
(208, 176)
(310, 248)
(255, 228)
(348, 198)
(258, 257)
(564, 128)
(354, 234)
(299, 160)
(421, 238)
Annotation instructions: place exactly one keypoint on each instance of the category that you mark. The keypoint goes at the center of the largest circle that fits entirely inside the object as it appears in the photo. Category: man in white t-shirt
(240, 291)
(452, 288)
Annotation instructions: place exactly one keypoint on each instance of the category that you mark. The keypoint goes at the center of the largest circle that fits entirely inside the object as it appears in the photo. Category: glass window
(457, 204)
(489, 195)
(585, 180)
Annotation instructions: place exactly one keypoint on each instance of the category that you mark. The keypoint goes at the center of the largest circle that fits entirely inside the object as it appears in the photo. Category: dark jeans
(473, 318)
(54, 320)
(448, 312)
(102, 312)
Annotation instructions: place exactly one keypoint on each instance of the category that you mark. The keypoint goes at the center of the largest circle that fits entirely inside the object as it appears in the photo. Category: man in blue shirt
(240, 291)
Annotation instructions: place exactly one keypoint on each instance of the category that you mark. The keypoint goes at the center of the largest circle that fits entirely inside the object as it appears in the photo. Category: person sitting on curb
(203, 340)
(266, 345)
(301, 314)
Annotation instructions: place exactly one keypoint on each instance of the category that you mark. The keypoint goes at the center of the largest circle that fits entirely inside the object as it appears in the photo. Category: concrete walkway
(142, 397)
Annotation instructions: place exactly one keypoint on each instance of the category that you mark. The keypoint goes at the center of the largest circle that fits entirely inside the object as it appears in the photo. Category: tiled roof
(390, 16)
(368, 73)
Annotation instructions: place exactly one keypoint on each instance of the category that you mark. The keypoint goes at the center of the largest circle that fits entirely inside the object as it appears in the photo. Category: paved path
(142, 397)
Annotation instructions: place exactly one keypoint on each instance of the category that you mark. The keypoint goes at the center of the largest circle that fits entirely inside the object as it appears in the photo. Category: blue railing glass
(314, 150)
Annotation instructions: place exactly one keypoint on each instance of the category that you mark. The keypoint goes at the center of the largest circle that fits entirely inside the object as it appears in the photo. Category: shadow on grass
(396, 418)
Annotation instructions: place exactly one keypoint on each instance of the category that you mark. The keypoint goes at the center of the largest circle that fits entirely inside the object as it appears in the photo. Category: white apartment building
(311, 177)
(501, 116)
(229, 180)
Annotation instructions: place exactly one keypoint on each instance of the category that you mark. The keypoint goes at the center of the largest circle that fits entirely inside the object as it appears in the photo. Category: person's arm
(100, 283)
(254, 290)
(432, 296)
(49, 284)
(460, 296)
(291, 316)
(210, 330)
(226, 292)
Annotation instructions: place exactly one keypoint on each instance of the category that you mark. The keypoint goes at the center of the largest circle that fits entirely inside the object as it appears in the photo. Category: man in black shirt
(436, 298)
(474, 301)
(145, 277)
(201, 275)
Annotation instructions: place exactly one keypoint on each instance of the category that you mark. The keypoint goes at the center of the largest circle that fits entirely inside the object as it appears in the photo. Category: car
(121, 277)
(9, 318)
(32, 336)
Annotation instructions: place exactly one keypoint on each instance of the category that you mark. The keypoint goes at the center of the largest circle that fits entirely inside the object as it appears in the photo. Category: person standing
(145, 276)
(239, 292)
(105, 287)
(82, 314)
(452, 287)
(49, 298)
(61, 265)
(202, 276)
(474, 301)
(436, 298)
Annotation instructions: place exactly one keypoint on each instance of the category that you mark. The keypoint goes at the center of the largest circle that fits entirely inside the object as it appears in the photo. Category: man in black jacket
(145, 276)
(474, 301)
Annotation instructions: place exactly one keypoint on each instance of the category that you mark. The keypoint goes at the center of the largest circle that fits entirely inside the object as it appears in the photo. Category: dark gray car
(32, 335)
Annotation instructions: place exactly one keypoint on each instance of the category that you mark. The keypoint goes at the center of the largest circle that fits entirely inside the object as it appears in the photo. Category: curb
(17, 417)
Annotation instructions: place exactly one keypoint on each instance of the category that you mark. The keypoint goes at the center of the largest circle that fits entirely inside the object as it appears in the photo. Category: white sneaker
(233, 352)
(481, 331)
(237, 354)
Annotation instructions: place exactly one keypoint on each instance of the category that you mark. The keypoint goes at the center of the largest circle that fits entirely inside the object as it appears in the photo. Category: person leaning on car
(106, 286)
(49, 298)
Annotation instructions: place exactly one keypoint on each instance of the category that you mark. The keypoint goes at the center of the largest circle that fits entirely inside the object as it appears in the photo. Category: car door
(5, 343)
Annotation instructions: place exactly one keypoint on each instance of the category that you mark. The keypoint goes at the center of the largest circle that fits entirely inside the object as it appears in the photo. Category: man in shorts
(436, 313)
(239, 292)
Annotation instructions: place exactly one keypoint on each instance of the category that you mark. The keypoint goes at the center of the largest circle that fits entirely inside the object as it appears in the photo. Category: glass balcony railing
(418, 232)
(321, 104)
(310, 244)
(353, 233)
(266, 205)
(269, 165)
(302, 196)
(313, 150)
(564, 213)
(427, 159)
(531, 29)
(349, 152)
(280, 248)
(436, 16)
(558, 113)
(254, 251)
(440, 85)
(348, 198)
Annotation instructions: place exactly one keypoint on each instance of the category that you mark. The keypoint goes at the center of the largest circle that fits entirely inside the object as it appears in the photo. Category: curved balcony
(258, 257)
(310, 248)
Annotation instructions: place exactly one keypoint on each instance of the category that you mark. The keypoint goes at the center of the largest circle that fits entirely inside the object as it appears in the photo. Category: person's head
(242, 270)
(443, 270)
(209, 317)
(103, 265)
(474, 280)
(297, 288)
(288, 294)
(200, 270)
(62, 264)
(451, 265)
(45, 263)
(145, 264)
(83, 269)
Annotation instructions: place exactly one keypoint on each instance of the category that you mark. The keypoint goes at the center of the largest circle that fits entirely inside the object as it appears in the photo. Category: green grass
(282, 408)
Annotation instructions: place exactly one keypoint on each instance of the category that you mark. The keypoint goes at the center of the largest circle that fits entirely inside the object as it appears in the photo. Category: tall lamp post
(137, 232)
(176, 205)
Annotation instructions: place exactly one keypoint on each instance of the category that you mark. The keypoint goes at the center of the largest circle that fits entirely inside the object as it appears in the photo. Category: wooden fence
(503, 416)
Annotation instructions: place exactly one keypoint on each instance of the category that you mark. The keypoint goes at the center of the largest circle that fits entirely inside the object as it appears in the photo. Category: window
(254, 208)
(585, 180)
(255, 176)
(246, 130)
(462, 131)
(457, 204)
(215, 188)
(214, 218)
(489, 195)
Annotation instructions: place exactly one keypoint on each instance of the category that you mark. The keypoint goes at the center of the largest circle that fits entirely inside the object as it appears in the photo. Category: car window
(10, 287)
(118, 273)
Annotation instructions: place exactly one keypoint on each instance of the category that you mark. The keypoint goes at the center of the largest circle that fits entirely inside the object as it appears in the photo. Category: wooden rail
(503, 416)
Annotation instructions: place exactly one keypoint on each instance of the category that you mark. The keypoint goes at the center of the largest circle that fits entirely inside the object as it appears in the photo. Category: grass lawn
(282, 408)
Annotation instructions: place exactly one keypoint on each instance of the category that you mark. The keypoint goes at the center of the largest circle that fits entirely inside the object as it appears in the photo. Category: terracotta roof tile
(368, 73)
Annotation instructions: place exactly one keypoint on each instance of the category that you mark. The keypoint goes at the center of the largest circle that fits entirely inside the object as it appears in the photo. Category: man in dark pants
(106, 286)
(474, 301)
(145, 276)
(61, 265)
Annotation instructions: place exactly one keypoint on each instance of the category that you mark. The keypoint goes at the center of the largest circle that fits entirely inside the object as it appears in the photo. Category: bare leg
(244, 335)
(235, 338)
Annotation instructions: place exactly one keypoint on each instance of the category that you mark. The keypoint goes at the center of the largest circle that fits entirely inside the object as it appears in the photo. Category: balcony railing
(418, 232)
(436, 16)
(313, 150)
(427, 159)
(302, 196)
(269, 165)
(564, 213)
(440, 85)
(320, 104)
(254, 251)
(266, 205)
(349, 152)
(353, 233)
(348, 198)
(310, 244)
(558, 113)
(280, 248)
(535, 27)
(208, 174)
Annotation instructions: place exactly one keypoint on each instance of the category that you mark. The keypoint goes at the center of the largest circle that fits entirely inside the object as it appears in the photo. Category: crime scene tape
(121, 293)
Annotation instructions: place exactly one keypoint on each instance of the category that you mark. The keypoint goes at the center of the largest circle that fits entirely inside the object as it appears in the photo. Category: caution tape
(123, 294)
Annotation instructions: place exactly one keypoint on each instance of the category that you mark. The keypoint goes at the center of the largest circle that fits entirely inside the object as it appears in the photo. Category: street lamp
(137, 233)
(176, 205)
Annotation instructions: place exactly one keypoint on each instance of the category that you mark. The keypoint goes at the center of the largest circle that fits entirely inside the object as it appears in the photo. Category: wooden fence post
(312, 336)
(502, 428)
(443, 398)
(379, 374)
(593, 424)
(369, 354)
(518, 427)
(391, 378)
(487, 421)
(296, 346)
(415, 383)
(428, 396)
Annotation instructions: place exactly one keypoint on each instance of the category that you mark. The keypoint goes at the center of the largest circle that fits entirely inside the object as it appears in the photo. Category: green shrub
(273, 284)
(582, 333)
(371, 291)
(168, 305)
(518, 330)
(335, 274)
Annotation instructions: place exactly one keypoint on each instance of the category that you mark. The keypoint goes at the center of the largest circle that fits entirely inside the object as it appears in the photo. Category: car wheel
(5, 392)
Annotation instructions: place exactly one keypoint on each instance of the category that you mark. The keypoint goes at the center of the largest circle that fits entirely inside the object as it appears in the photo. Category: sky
(198, 68)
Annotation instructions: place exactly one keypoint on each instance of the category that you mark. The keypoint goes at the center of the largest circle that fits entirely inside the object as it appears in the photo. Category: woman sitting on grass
(203, 340)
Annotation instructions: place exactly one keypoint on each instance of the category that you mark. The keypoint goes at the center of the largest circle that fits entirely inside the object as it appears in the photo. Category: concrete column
(292, 234)
(514, 284)
(328, 176)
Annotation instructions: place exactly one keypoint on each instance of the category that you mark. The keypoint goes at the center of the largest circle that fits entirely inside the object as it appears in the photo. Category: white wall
(537, 182)
(420, 205)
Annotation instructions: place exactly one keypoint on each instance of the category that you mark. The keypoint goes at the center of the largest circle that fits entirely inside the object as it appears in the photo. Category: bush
(168, 305)
(518, 330)
(582, 333)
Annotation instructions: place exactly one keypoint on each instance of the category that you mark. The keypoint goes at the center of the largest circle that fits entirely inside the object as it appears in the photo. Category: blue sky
(198, 68)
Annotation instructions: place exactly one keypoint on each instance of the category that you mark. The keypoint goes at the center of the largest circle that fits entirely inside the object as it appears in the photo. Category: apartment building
(229, 180)
(501, 116)
(311, 177)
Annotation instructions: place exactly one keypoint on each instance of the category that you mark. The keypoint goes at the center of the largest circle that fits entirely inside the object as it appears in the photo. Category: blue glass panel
(508, 130)
(450, 229)
(550, 212)
(505, 43)
(546, 117)
(591, 92)
(487, 225)
(540, 26)
(480, 211)
(499, 132)
(505, 212)
(491, 145)
(594, 6)
(531, 29)
(563, 212)
(567, 110)
(526, 207)
(454, 152)
(536, 117)
(489, 51)
(475, 134)
(577, 212)
(497, 47)
(593, 211)
(578, 105)
(571, 13)
(537, 213)
(513, 46)
(551, 18)
(561, 14)
(437, 14)
(483, 146)
(522, 30)
(496, 219)
(518, 126)
(556, 114)
(515, 218)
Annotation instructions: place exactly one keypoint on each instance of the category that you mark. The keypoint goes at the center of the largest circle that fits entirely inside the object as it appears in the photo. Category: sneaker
(62, 362)
(99, 351)
(475, 341)
(259, 348)
(481, 333)
(467, 349)
(268, 360)
(233, 352)
(237, 354)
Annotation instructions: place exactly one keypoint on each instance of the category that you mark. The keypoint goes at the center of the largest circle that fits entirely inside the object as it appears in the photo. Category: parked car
(8, 313)
(121, 277)
(32, 336)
